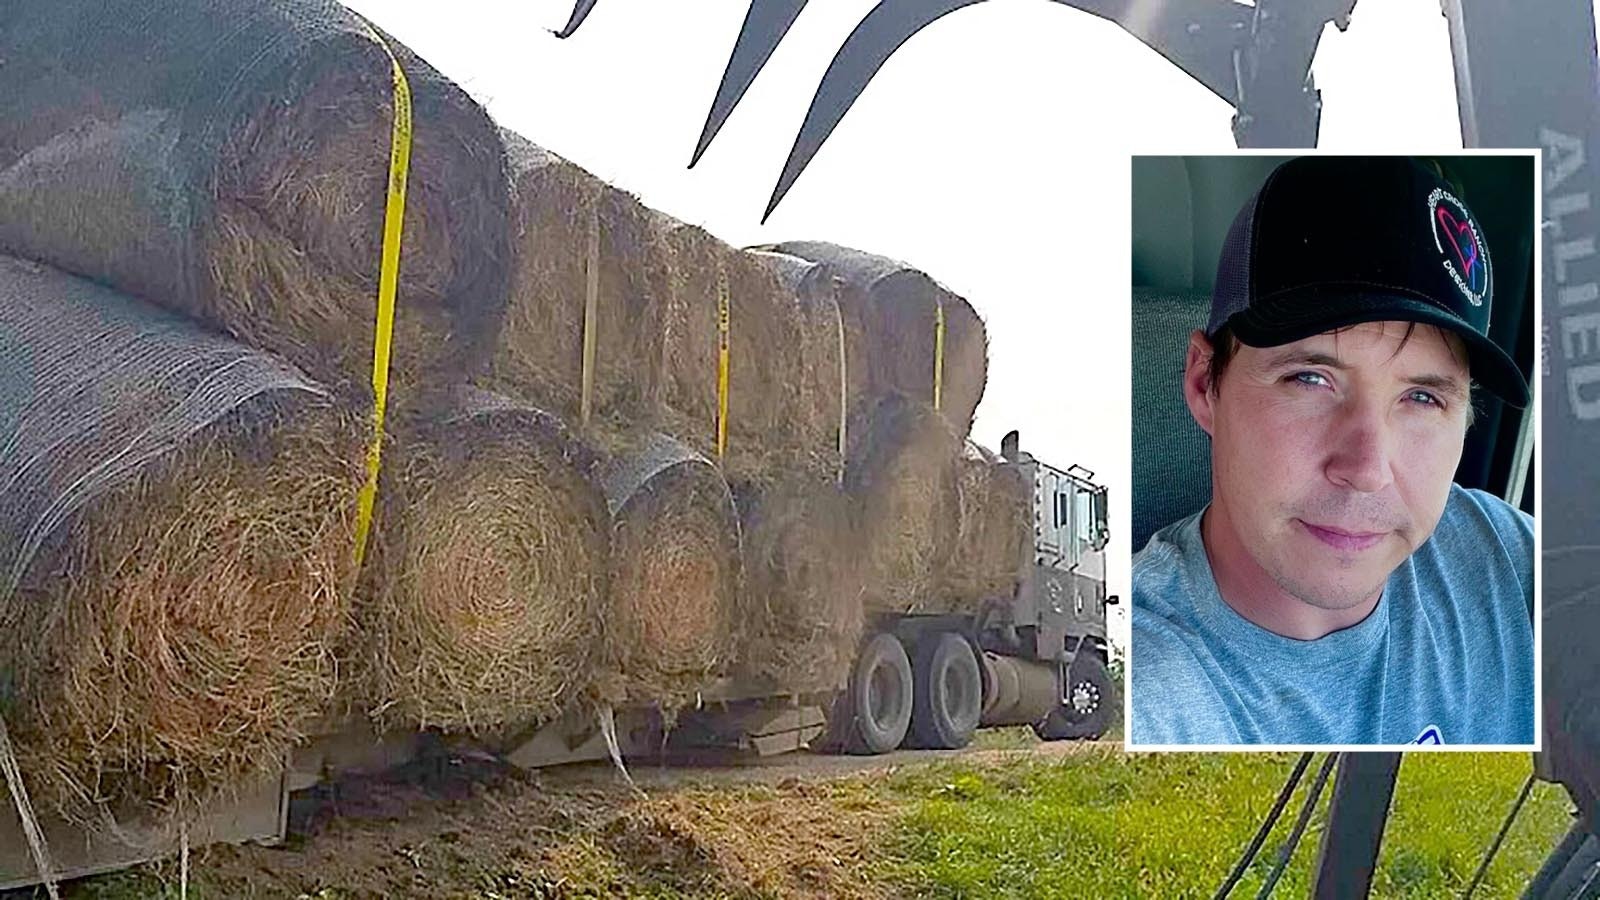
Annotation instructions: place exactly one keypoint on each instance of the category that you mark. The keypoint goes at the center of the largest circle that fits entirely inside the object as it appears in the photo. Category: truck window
(1083, 519)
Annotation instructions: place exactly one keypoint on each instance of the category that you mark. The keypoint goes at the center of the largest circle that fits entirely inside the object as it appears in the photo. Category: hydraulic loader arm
(1258, 58)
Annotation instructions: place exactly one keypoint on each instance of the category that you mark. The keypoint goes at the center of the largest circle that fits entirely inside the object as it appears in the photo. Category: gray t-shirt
(1446, 657)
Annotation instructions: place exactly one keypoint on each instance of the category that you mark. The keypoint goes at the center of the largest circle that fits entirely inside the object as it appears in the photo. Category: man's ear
(1197, 381)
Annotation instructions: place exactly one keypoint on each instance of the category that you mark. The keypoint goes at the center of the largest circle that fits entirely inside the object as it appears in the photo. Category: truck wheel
(949, 695)
(877, 703)
(1090, 704)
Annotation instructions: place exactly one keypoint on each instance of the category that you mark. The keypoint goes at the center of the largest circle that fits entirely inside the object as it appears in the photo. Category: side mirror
(1102, 530)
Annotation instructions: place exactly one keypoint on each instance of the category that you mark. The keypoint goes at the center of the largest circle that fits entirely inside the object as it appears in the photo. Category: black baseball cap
(1334, 241)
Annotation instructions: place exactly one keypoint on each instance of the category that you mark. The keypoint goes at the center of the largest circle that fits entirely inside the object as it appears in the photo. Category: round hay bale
(823, 388)
(229, 159)
(484, 601)
(538, 355)
(178, 635)
(901, 476)
(176, 547)
(891, 309)
(764, 355)
(993, 532)
(804, 594)
(676, 611)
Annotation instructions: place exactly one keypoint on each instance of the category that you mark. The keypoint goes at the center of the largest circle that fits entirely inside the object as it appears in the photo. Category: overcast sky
(992, 152)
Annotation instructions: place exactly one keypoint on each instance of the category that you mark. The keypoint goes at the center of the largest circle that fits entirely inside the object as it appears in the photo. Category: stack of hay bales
(840, 345)
(230, 163)
(781, 456)
(917, 534)
(800, 538)
(176, 518)
(591, 263)
(557, 523)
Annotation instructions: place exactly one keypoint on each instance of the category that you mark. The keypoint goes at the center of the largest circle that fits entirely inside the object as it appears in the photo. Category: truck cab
(1062, 588)
(1037, 657)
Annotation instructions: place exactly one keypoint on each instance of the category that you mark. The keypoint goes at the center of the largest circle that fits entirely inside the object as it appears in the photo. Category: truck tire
(876, 706)
(1089, 707)
(949, 693)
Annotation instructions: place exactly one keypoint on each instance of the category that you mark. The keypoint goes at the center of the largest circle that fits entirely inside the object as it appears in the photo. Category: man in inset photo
(1340, 587)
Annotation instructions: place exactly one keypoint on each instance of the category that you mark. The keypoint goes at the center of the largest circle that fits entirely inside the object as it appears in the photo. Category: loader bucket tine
(579, 13)
(889, 25)
(1187, 34)
(764, 28)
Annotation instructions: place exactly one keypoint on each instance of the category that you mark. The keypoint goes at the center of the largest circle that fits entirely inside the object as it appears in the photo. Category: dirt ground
(795, 826)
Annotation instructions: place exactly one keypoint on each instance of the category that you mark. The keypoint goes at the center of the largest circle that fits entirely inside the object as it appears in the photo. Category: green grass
(1093, 824)
(1173, 825)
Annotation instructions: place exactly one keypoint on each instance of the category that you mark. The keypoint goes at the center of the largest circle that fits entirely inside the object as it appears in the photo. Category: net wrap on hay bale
(538, 356)
(484, 603)
(229, 159)
(806, 609)
(676, 610)
(176, 546)
(891, 309)
(901, 477)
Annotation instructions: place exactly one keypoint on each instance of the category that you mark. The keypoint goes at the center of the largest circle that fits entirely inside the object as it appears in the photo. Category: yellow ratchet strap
(394, 212)
(844, 386)
(938, 356)
(723, 315)
(591, 306)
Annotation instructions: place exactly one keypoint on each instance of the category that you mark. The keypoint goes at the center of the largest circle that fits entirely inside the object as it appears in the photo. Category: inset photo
(1333, 513)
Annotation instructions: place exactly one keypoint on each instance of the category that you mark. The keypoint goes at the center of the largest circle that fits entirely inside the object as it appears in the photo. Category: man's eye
(1310, 379)
(1425, 398)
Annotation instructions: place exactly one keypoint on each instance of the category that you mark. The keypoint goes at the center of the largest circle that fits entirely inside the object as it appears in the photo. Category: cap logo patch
(1460, 246)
